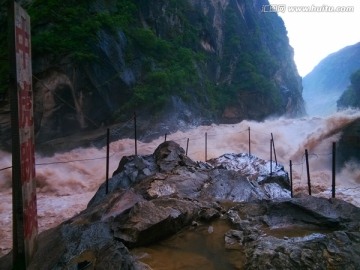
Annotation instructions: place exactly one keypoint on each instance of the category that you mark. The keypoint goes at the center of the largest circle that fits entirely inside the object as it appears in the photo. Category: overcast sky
(314, 35)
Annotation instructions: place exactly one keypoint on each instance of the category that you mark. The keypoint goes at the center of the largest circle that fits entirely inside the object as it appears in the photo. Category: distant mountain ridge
(324, 85)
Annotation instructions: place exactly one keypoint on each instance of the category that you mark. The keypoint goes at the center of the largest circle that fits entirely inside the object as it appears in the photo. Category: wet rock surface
(169, 197)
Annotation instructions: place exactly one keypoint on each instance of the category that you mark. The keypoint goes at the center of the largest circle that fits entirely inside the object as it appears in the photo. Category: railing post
(249, 143)
(291, 180)
(135, 135)
(308, 170)
(205, 146)
(272, 137)
(187, 146)
(333, 168)
(271, 144)
(107, 159)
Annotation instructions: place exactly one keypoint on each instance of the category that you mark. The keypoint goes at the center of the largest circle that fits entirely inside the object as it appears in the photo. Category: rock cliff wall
(177, 63)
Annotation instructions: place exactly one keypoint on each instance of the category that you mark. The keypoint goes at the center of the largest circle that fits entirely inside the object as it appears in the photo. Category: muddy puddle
(200, 247)
(203, 246)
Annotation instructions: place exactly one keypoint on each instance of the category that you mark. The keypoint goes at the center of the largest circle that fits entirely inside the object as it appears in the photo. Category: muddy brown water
(201, 247)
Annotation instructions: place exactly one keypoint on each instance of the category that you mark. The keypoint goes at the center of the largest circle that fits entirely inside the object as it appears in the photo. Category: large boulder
(236, 177)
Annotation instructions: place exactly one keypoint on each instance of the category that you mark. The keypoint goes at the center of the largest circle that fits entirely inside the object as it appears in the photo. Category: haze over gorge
(325, 84)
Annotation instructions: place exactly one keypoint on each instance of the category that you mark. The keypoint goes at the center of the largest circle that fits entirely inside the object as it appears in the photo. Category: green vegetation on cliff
(351, 97)
(61, 28)
(139, 54)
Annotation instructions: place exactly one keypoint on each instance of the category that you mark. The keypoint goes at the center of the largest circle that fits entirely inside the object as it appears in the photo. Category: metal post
(272, 137)
(135, 134)
(271, 144)
(187, 146)
(107, 159)
(205, 146)
(291, 180)
(308, 170)
(333, 168)
(165, 137)
(249, 143)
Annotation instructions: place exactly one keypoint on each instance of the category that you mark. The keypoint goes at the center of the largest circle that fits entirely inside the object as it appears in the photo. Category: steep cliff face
(177, 63)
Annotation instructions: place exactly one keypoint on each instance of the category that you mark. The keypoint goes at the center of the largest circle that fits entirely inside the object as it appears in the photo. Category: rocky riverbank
(158, 197)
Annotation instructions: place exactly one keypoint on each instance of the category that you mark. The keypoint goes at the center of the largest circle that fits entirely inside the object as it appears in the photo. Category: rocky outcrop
(302, 233)
(170, 172)
(151, 198)
(348, 147)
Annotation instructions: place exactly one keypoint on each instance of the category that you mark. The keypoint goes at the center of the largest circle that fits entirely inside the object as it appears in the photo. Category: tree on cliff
(351, 97)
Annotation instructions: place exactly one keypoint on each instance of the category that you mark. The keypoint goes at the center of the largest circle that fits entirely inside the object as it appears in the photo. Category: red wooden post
(25, 226)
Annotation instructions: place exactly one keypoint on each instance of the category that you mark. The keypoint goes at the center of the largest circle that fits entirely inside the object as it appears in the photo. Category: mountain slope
(329, 79)
(177, 63)
(351, 96)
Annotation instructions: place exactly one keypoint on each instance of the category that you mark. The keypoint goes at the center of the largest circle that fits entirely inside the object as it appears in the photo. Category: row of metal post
(333, 178)
(272, 149)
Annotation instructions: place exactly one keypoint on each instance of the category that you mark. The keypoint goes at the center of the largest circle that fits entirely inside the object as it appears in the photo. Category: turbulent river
(67, 181)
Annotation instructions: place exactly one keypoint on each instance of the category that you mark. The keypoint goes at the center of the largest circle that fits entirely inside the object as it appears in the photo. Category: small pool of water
(201, 247)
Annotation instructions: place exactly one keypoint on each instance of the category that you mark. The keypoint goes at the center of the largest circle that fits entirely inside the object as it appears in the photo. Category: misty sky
(314, 35)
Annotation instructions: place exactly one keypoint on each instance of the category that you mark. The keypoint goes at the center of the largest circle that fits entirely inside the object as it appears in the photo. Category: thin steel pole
(271, 144)
(205, 146)
(308, 170)
(333, 168)
(187, 146)
(272, 137)
(249, 143)
(291, 180)
(107, 159)
(135, 134)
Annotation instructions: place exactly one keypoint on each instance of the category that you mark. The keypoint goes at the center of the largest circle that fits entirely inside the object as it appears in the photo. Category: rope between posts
(3, 169)
(70, 161)
(63, 162)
